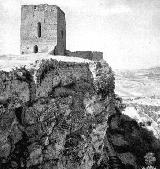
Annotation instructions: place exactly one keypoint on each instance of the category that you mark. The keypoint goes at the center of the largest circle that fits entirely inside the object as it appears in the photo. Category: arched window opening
(39, 29)
(35, 50)
(35, 7)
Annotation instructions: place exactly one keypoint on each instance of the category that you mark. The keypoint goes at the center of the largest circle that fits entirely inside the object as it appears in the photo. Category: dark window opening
(35, 49)
(35, 7)
(39, 29)
(62, 33)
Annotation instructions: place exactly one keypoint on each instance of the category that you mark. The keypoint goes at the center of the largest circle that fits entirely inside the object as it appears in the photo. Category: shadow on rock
(132, 142)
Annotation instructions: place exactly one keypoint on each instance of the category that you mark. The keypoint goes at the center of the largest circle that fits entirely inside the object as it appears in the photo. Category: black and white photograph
(79, 84)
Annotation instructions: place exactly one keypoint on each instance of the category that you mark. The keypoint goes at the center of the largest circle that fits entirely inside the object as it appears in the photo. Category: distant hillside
(138, 83)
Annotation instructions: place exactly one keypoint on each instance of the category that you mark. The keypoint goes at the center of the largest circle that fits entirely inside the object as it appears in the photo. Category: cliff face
(54, 114)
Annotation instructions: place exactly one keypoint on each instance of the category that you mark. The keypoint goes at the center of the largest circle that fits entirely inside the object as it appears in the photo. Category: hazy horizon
(127, 32)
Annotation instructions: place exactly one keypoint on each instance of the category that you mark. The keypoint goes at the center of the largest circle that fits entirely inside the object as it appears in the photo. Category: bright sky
(126, 31)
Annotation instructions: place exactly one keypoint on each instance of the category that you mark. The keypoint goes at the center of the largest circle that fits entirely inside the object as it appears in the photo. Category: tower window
(39, 29)
(35, 49)
(35, 7)
(62, 34)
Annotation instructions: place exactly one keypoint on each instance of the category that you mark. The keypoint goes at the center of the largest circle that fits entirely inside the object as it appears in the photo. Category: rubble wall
(91, 55)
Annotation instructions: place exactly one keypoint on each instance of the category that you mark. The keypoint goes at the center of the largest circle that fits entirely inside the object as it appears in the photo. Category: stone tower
(43, 29)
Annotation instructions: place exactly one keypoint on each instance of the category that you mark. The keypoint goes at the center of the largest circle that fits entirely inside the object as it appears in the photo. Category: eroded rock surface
(65, 115)
(54, 115)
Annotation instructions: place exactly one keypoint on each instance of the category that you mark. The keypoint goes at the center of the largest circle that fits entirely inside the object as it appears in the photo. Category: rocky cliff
(58, 113)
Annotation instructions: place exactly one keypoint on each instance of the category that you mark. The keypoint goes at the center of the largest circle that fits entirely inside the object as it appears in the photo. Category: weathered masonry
(43, 29)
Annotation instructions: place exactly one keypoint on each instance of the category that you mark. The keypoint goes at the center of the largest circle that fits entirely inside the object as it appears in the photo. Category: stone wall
(61, 33)
(97, 56)
(49, 17)
(91, 55)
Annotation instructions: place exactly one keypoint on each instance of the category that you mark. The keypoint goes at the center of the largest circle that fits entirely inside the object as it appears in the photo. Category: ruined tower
(43, 29)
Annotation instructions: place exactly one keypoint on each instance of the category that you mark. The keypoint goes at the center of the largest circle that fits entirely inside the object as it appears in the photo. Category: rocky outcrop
(54, 114)
(131, 141)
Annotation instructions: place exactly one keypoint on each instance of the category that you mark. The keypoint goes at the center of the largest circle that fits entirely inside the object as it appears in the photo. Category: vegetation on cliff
(65, 115)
